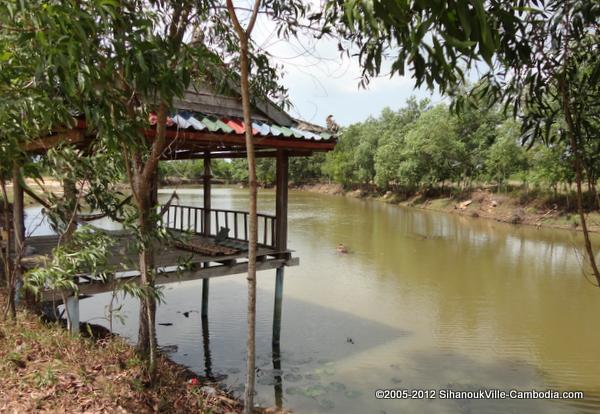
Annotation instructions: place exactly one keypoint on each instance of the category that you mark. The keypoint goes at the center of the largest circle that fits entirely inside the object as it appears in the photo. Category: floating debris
(341, 248)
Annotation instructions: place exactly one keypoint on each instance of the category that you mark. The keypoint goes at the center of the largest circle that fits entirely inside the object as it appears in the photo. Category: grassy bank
(43, 368)
(515, 206)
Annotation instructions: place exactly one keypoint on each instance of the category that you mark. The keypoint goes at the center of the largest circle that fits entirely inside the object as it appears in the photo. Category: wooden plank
(122, 253)
(173, 276)
(71, 136)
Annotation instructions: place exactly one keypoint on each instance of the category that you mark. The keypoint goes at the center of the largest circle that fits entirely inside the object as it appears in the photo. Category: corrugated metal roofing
(201, 122)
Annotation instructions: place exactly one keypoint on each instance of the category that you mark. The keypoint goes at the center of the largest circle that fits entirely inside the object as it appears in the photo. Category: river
(424, 300)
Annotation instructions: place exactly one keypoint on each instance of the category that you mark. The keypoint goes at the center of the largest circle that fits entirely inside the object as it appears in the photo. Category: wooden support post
(204, 312)
(18, 227)
(278, 306)
(72, 306)
(207, 224)
(206, 190)
(281, 212)
(281, 201)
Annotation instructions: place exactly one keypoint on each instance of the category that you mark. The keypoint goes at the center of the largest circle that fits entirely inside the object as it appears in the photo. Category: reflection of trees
(486, 287)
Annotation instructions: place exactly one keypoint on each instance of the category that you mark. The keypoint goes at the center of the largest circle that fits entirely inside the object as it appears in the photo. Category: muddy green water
(424, 300)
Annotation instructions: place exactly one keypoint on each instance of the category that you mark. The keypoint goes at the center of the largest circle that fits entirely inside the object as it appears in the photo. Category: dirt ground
(515, 208)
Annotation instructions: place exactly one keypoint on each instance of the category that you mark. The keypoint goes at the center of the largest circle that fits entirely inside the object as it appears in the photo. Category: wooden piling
(207, 224)
(205, 288)
(72, 306)
(277, 308)
(281, 200)
(281, 211)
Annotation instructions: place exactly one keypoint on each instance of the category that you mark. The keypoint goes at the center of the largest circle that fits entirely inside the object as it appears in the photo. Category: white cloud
(321, 82)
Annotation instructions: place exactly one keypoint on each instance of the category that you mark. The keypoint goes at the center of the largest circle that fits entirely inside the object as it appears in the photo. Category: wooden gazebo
(204, 125)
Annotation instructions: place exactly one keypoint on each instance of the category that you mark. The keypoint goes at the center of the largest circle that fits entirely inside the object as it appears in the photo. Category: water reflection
(208, 373)
(278, 383)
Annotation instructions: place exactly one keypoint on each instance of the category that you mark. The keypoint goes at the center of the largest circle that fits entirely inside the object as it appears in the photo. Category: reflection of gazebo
(204, 125)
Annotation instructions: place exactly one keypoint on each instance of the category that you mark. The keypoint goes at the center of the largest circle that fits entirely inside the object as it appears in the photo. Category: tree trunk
(578, 179)
(253, 234)
(147, 330)
(5, 236)
(252, 186)
(18, 242)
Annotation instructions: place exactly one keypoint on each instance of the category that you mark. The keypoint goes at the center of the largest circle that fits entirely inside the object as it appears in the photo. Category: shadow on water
(315, 341)
(322, 362)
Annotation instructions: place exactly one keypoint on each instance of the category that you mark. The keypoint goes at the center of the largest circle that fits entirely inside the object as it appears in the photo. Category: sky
(320, 82)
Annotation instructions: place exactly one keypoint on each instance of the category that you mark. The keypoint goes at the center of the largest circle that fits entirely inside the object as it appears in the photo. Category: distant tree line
(422, 147)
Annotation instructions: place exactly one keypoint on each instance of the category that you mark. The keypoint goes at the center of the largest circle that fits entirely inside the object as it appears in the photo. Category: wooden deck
(173, 264)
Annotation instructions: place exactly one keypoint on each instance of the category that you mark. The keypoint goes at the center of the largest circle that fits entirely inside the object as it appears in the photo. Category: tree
(556, 84)
(505, 157)
(550, 166)
(288, 14)
(438, 41)
(432, 151)
(244, 36)
(534, 54)
(29, 107)
(389, 152)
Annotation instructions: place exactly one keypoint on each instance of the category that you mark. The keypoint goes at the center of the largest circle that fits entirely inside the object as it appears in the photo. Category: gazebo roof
(203, 121)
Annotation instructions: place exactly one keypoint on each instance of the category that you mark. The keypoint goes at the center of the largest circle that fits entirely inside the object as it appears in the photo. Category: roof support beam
(71, 136)
(180, 137)
(192, 155)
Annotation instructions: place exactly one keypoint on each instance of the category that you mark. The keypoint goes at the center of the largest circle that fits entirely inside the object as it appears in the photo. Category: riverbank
(43, 368)
(514, 207)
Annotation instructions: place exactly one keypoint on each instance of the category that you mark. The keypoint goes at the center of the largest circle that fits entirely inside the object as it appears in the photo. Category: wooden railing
(193, 219)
